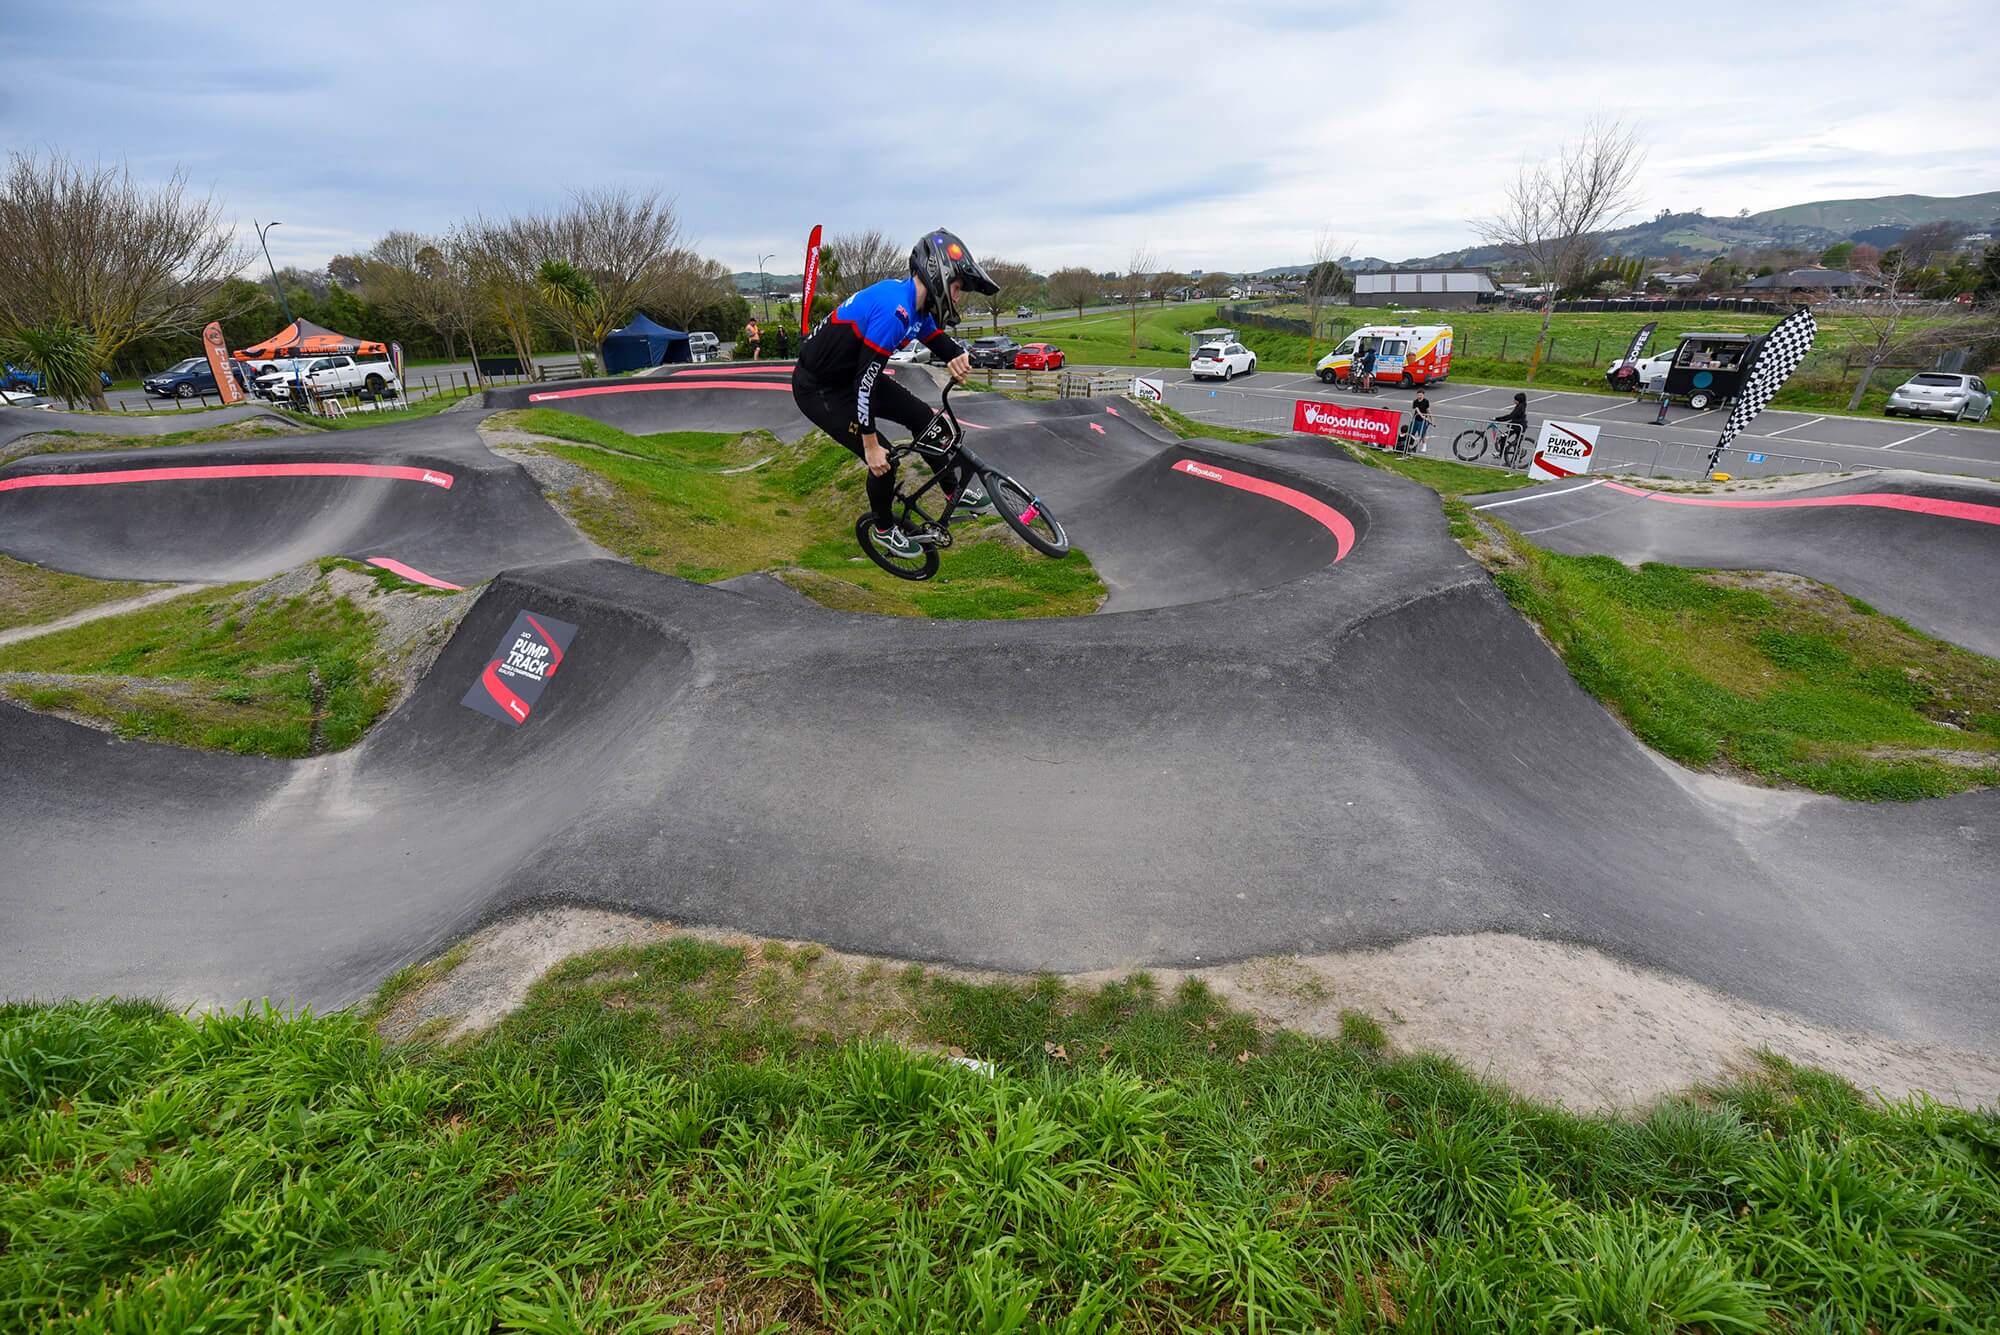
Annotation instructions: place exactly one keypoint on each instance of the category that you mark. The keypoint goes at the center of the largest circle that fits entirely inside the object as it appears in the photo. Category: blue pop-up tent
(643, 343)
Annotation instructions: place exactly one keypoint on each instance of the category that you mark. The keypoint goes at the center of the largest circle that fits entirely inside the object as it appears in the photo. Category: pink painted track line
(1335, 522)
(732, 370)
(1881, 500)
(213, 472)
(657, 386)
(411, 573)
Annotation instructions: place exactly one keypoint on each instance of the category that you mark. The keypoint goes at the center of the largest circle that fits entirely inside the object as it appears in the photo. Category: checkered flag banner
(1777, 357)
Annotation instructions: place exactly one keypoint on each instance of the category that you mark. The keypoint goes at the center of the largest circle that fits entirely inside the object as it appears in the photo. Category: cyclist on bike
(839, 385)
(1516, 420)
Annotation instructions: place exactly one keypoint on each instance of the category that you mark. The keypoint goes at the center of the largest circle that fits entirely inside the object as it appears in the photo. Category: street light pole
(283, 305)
(764, 286)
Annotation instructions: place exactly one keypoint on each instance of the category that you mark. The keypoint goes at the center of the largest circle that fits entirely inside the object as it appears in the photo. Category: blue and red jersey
(851, 345)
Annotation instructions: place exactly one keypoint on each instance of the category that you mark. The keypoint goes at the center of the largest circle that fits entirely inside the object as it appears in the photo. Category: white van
(1405, 354)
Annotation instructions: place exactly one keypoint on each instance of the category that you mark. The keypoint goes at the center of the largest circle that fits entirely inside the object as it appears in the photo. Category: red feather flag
(812, 281)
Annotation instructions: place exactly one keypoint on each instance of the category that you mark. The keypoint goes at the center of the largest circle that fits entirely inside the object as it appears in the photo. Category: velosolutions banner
(1368, 426)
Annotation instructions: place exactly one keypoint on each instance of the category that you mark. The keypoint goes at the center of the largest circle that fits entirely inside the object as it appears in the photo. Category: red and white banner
(1368, 426)
(213, 344)
(812, 281)
(1564, 450)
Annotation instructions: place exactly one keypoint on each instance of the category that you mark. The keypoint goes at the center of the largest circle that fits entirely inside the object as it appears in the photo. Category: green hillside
(1853, 215)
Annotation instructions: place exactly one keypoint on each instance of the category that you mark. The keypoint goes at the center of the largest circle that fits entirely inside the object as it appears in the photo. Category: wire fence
(417, 386)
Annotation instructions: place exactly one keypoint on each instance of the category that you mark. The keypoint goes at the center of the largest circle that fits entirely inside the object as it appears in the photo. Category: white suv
(1223, 360)
(340, 372)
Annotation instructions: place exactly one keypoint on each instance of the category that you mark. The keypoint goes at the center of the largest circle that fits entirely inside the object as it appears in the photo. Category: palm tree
(569, 292)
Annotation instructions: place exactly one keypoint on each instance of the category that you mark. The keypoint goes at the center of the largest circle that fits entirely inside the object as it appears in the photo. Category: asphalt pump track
(1306, 721)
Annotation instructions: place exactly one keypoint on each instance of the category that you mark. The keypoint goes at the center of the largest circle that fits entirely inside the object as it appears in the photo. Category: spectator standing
(1420, 424)
(754, 338)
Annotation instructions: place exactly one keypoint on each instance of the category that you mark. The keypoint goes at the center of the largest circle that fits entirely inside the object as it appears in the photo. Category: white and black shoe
(974, 498)
(896, 542)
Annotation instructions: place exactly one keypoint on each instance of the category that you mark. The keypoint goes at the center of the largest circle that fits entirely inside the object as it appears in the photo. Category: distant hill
(750, 284)
(1848, 216)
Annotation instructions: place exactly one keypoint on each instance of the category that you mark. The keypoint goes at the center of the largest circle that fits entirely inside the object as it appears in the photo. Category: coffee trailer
(1708, 368)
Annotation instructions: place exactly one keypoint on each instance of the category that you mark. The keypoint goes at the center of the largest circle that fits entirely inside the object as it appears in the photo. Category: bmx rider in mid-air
(839, 384)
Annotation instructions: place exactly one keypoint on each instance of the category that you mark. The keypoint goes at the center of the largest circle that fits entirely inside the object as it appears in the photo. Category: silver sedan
(1941, 394)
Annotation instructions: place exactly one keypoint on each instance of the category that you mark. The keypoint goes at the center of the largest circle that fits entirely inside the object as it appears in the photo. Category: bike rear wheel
(1470, 444)
(1026, 515)
(921, 566)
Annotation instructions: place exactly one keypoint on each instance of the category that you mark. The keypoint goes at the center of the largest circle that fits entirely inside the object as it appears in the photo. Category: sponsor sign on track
(1149, 389)
(520, 667)
(1369, 426)
(1564, 450)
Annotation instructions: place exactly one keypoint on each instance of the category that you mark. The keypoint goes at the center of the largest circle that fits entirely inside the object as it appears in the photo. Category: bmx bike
(1509, 444)
(942, 443)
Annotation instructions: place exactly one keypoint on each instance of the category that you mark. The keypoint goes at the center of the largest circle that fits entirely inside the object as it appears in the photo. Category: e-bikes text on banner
(1564, 450)
(1369, 426)
(520, 667)
(226, 384)
(1148, 389)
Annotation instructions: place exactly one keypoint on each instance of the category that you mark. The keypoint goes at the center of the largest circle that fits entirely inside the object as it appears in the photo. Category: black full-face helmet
(940, 259)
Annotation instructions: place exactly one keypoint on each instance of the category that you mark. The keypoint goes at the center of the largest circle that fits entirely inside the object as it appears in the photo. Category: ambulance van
(1408, 354)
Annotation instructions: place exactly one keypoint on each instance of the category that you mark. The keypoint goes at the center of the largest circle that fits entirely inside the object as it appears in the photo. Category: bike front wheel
(1470, 444)
(921, 566)
(1026, 515)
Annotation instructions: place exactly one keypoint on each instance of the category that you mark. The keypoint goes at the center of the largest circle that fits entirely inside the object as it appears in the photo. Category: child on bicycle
(839, 386)
(1516, 420)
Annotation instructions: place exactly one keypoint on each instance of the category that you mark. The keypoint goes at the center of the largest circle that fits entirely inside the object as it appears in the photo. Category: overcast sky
(1216, 136)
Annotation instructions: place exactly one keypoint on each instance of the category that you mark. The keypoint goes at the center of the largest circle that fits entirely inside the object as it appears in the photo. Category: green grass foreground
(710, 505)
(668, 1137)
(286, 677)
(1775, 677)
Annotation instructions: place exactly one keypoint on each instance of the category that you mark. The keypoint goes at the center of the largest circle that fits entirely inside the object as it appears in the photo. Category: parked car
(1649, 369)
(341, 373)
(1023, 312)
(1941, 394)
(994, 350)
(911, 352)
(704, 346)
(192, 378)
(1038, 357)
(1222, 360)
(21, 378)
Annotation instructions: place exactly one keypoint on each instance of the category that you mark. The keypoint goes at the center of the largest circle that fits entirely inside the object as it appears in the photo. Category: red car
(1038, 357)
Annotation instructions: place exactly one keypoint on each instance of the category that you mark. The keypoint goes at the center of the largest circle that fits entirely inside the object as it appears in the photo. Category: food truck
(1708, 368)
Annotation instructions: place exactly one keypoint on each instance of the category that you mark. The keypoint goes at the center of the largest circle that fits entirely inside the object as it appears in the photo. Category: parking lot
(1789, 441)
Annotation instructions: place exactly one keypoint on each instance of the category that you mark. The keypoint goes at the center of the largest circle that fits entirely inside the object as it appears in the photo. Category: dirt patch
(1736, 486)
(1558, 1023)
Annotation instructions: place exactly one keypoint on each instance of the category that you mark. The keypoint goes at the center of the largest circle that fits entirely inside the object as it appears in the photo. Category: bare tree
(502, 261)
(865, 257)
(1074, 287)
(1325, 279)
(1927, 243)
(1897, 322)
(88, 248)
(622, 240)
(1014, 280)
(1557, 209)
(411, 276)
(689, 284)
(1138, 274)
(1216, 285)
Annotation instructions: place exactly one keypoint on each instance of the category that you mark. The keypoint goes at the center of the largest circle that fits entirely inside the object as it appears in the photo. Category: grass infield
(690, 1135)
(710, 505)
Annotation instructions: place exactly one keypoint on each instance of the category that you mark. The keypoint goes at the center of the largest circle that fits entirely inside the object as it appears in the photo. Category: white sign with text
(1564, 450)
(1149, 389)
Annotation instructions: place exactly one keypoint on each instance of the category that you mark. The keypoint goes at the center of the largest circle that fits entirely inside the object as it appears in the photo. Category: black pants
(831, 409)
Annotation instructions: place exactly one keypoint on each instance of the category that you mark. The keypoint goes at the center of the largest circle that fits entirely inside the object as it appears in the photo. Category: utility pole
(297, 378)
(764, 285)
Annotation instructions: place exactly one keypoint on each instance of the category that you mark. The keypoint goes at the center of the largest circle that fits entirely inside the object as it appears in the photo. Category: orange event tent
(303, 338)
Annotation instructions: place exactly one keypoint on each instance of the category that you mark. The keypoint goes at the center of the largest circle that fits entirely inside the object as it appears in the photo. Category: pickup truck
(340, 373)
